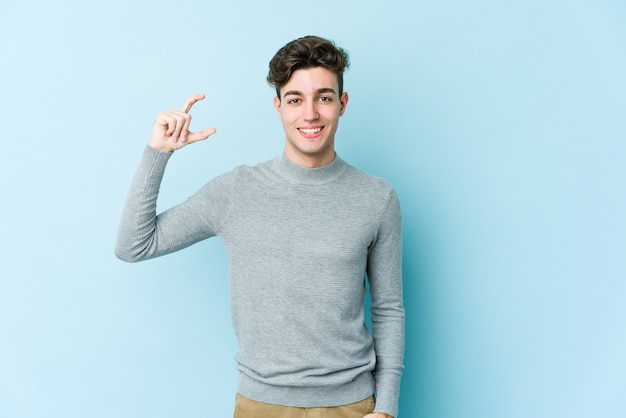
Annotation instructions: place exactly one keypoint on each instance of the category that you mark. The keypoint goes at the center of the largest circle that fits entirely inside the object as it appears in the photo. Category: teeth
(310, 131)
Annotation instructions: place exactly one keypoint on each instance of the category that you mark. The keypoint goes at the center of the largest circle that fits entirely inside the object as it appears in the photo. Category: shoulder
(367, 182)
(374, 194)
(233, 181)
(253, 169)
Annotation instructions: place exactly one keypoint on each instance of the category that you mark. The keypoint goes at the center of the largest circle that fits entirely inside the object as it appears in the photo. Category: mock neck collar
(295, 173)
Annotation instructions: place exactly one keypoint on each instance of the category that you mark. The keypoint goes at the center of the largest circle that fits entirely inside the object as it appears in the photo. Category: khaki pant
(246, 408)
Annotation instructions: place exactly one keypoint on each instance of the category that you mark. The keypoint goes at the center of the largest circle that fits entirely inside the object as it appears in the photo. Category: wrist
(161, 149)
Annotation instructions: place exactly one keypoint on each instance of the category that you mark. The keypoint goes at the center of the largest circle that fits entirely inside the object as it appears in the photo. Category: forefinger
(191, 101)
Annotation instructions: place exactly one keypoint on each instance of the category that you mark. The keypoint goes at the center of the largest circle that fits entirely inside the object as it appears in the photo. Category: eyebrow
(318, 91)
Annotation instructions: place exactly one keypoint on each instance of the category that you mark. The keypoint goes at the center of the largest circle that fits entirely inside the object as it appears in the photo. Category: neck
(312, 160)
(298, 174)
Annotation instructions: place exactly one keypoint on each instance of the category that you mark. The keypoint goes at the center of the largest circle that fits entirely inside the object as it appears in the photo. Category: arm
(385, 277)
(142, 234)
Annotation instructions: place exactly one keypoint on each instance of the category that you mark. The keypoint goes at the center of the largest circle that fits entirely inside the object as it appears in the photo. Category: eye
(325, 99)
(293, 101)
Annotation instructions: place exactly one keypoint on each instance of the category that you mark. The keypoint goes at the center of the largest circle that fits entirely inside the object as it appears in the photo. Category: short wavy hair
(304, 53)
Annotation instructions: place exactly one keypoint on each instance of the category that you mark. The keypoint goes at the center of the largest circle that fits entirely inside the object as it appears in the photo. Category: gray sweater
(299, 243)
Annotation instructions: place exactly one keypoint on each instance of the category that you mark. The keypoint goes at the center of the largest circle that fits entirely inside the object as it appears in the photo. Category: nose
(310, 111)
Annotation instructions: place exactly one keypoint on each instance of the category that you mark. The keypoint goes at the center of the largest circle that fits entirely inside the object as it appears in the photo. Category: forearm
(143, 234)
(389, 345)
(137, 228)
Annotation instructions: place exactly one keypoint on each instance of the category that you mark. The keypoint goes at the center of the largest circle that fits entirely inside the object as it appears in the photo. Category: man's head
(305, 53)
(308, 76)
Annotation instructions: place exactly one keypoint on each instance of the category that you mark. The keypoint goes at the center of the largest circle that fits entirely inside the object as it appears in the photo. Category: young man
(301, 231)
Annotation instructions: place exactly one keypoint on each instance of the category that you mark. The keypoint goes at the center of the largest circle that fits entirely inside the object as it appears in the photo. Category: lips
(311, 132)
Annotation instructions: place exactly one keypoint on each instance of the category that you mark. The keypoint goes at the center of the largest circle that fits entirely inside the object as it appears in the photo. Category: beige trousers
(246, 408)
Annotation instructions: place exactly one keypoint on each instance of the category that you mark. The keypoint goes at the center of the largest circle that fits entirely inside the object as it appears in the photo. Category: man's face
(310, 107)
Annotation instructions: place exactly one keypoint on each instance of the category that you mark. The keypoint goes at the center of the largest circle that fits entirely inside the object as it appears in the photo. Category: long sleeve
(298, 243)
(385, 277)
(143, 234)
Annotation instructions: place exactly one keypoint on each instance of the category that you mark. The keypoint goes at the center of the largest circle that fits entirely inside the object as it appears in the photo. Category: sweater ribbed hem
(308, 397)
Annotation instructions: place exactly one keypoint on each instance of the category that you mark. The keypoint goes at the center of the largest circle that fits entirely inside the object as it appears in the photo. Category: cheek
(333, 114)
(288, 117)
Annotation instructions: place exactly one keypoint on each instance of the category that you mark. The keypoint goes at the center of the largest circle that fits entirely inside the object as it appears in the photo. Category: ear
(277, 105)
(344, 102)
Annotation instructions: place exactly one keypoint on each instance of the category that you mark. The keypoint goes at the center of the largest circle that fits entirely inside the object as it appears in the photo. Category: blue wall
(501, 125)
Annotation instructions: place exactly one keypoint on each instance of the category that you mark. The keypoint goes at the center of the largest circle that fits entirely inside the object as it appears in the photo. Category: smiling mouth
(310, 131)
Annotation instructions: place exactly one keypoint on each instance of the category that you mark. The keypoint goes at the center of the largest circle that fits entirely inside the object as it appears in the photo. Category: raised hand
(171, 129)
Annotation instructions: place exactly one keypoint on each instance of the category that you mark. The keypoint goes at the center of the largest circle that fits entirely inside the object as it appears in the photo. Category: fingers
(191, 101)
(184, 131)
(176, 124)
(191, 138)
(171, 129)
(200, 136)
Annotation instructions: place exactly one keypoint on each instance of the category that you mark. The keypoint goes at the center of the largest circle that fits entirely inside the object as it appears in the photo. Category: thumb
(200, 136)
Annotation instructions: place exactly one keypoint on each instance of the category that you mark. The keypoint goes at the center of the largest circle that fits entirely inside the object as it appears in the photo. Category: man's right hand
(171, 129)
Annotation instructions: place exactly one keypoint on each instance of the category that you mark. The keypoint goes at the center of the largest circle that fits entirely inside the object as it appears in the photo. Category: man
(301, 231)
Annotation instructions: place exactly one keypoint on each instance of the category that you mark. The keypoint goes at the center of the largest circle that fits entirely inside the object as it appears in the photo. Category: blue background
(501, 124)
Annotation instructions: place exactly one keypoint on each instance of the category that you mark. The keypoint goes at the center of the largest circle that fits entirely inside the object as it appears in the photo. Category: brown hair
(304, 53)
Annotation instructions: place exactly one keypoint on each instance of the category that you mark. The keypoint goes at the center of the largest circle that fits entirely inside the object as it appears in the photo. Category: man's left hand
(377, 415)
